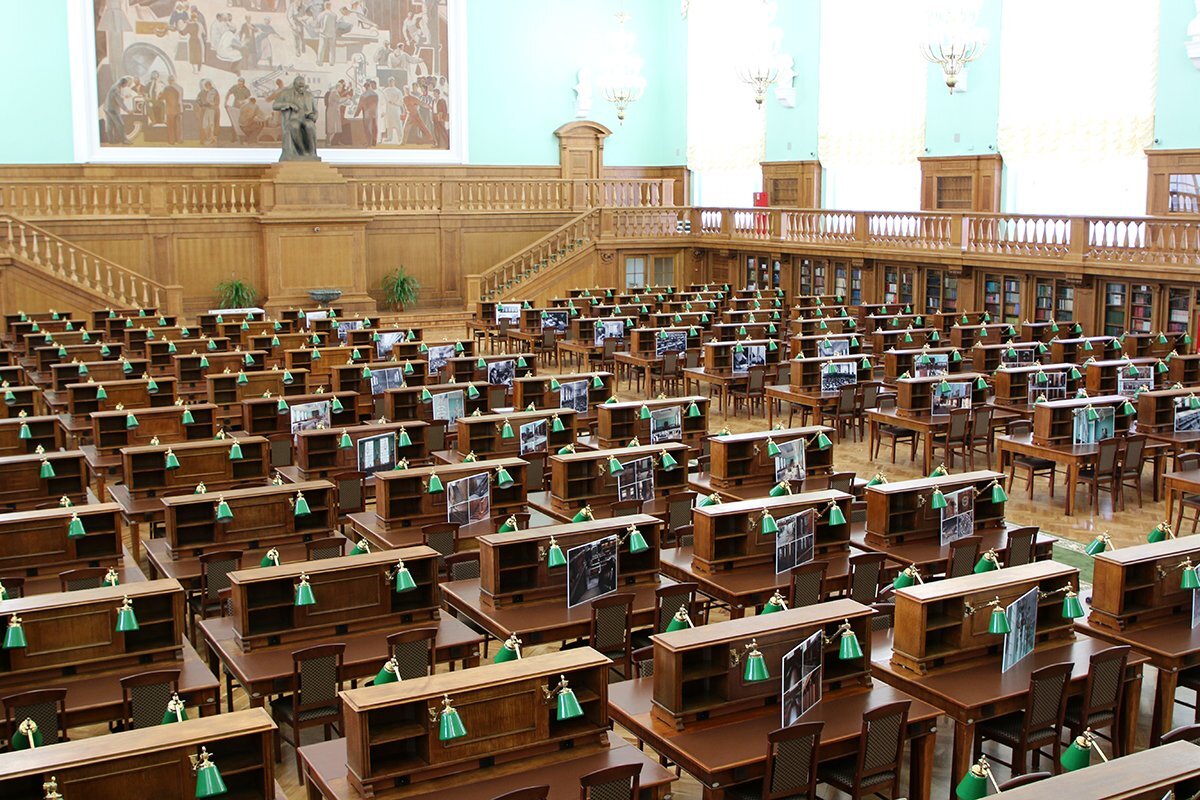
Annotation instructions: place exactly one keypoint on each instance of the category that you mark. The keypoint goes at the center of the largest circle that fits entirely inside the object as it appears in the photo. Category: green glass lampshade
(644, 412)
(172, 460)
(709, 500)
(389, 673)
(271, 559)
(362, 548)
(1161, 367)
(336, 406)
(780, 489)
(998, 623)
(366, 372)
(556, 424)
(175, 711)
(905, 578)
(23, 432)
(503, 478)
(224, 512)
(403, 439)
(1188, 579)
(980, 383)
(450, 725)
(568, 704)
(316, 355)
(554, 556)
(506, 431)
(47, 470)
(1097, 545)
(27, 736)
(304, 593)
(75, 529)
(435, 485)
(1127, 409)
(510, 650)
(508, 526)
(986, 563)
(105, 351)
(693, 410)
(668, 461)
(472, 392)
(408, 368)
(403, 579)
(480, 363)
(938, 502)
(1160, 532)
(458, 348)
(680, 621)
(877, 479)
(769, 526)
(756, 668)
(774, 605)
(242, 380)
(848, 647)
(288, 378)
(1072, 608)
(301, 509)
(14, 634)
(836, 517)
(344, 441)
(615, 467)
(1077, 756)
(637, 542)
(565, 449)
(126, 619)
(772, 448)
(208, 778)
(235, 452)
(973, 786)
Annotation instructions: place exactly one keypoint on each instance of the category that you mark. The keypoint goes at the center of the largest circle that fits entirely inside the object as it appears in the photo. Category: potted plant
(235, 293)
(400, 289)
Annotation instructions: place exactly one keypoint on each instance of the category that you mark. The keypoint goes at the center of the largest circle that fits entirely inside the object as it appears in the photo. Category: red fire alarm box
(760, 200)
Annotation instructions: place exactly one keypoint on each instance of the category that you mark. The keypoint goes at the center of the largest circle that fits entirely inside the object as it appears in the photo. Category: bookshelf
(85, 398)
(22, 486)
(1079, 349)
(806, 372)
(261, 415)
(900, 362)
(902, 339)
(1140, 586)
(407, 404)
(403, 500)
(1054, 421)
(191, 369)
(988, 358)
(44, 432)
(719, 357)
(1102, 377)
(644, 341)
(323, 453)
(901, 512)
(36, 542)
(914, 396)
(208, 462)
(539, 390)
(1184, 369)
(18, 399)
(135, 338)
(618, 424)
(585, 478)
(64, 374)
(1012, 385)
(111, 431)
(1156, 409)
(319, 361)
(964, 337)
(502, 435)
(742, 459)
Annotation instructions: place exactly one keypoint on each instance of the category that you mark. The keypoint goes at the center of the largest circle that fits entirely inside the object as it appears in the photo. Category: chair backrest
(671, 597)
(1135, 449)
(870, 395)
(643, 661)
(625, 508)
(685, 536)
(783, 372)
(756, 379)
(548, 338)
(792, 762)
(281, 452)
(1105, 682)
(670, 364)
(462, 566)
(435, 436)
(74, 580)
(317, 676)
(808, 584)
(1185, 461)
(842, 482)
(981, 423)
(1019, 548)
(1184, 733)
(349, 492)
(691, 358)
(621, 782)
(529, 792)
(1026, 779)
(413, 651)
(440, 536)
(612, 618)
(1106, 457)
(964, 553)
(1046, 702)
(847, 399)
(864, 576)
(679, 509)
(505, 323)
(1019, 427)
(326, 547)
(535, 473)
(610, 348)
(145, 696)
(957, 430)
(497, 396)
(881, 742)
(46, 707)
(886, 402)
(214, 572)
(14, 586)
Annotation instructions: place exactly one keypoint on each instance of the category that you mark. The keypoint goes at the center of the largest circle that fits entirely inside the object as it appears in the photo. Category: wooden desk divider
(228, 389)
(946, 622)
(72, 633)
(319, 361)
(1075, 349)
(209, 320)
(1150, 345)
(412, 402)
(586, 479)
(964, 337)
(466, 369)
(15, 375)
(499, 435)
(40, 542)
(1183, 368)
(100, 315)
(893, 322)
(1142, 584)
(60, 339)
(914, 396)
(544, 391)
(810, 301)
(1156, 408)
(84, 399)
(18, 399)
(702, 320)
(326, 452)
(903, 512)
(699, 673)
(513, 566)
(67, 372)
(403, 499)
(806, 372)
(946, 320)
(1167, 771)
(191, 368)
(264, 416)
(621, 423)
(988, 358)
(353, 593)
(209, 462)
(1039, 331)
(732, 535)
(135, 338)
(903, 338)
(745, 460)
(363, 378)
(911, 362)
(1020, 387)
(811, 346)
(644, 341)
(1102, 376)
(18, 330)
(176, 423)
(160, 353)
(23, 487)
(24, 435)
(718, 356)
(276, 344)
(820, 326)
(392, 731)
(263, 516)
(583, 329)
(112, 326)
(746, 331)
(47, 356)
(1054, 420)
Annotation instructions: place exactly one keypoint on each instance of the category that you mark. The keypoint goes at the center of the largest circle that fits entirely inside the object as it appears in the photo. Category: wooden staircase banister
(580, 232)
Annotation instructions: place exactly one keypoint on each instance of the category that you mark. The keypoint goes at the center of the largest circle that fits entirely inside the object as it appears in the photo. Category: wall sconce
(510, 650)
(756, 666)
(449, 723)
(568, 704)
(997, 623)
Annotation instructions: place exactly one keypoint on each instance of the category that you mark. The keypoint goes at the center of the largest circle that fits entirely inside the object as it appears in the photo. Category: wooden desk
(1148, 775)
(1176, 485)
(639, 361)
(186, 570)
(731, 749)
(541, 502)
(723, 382)
(929, 556)
(543, 621)
(581, 352)
(975, 690)
(267, 671)
(701, 483)
(367, 525)
(818, 402)
(926, 427)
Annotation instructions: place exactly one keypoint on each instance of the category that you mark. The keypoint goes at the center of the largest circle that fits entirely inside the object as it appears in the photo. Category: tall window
(635, 272)
(664, 270)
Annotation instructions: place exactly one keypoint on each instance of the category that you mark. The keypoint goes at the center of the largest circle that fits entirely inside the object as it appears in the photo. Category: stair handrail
(574, 234)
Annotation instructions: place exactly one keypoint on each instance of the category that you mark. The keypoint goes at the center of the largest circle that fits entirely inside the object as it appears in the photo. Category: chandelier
(956, 40)
(620, 75)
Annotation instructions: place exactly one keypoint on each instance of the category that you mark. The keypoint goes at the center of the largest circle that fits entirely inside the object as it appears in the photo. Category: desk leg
(135, 542)
(872, 432)
(1130, 704)
(229, 693)
(928, 457)
(1170, 505)
(1156, 484)
(1164, 704)
(964, 745)
(920, 765)
(771, 416)
(1072, 480)
(724, 401)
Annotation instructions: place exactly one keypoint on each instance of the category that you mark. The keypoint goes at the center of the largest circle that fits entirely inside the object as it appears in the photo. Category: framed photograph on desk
(958, 517)
(591, 571)
(636, 480)
(1187, 419)
(950, 396)
(383, 347)
(386, 378)
(936, 364)
(501, 373)
(752, 355)
(666, 425)
(1091, 431)
(438, 356)
(376, 453)
(1022, 629)
(556, 320)
(574, 395)
(608, 329)
(795, 541)
(801, 678)
(790, 464)
(1055, 388)
(348, 325)
(508, 311)
(533, 437)
(310, 416)
(468, 499)
(827, 348)
(837, 374)
(670, 342)
(1129, 385)
(448, 406)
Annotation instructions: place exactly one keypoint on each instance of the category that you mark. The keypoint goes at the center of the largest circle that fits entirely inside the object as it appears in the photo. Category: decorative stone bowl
(324, 296)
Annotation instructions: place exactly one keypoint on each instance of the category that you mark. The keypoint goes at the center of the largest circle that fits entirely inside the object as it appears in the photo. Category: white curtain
(871, 123)
(1077, 87)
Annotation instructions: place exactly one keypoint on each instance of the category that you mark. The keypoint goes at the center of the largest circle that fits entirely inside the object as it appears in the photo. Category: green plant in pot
(400, 289)
(235, 293)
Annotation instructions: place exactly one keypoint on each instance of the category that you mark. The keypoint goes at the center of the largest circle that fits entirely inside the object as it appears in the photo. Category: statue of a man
(298, 113)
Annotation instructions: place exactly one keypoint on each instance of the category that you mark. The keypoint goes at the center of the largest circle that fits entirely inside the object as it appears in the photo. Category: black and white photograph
(670, 342)
(501, 373)
(345, 326)
(591, 570)
(312, 316)
(377, 453)
(1016, 356)
(1129, 385)
(533, 437)
(448, 406)
(469, 499)
(790, 464)
(1187, 419)
(958, 517)
(556, 320)
(386, 378)
(931, 365)
(1195, 609)
(1091, 431)
(801, 673)
(795, 541)
(574, 394)
(608, 329)
(946, 397)
(827, 348)
(666, 424)
(1055, 387)
(1022, 629)
(751, 355)
(438, 356)
(383, 347)
(636, 481)
(310, 416)
(837, 374)
(508, 311)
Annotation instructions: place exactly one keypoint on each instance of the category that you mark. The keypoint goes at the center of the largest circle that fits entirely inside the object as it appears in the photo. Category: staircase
(536, 269)
(44, 270)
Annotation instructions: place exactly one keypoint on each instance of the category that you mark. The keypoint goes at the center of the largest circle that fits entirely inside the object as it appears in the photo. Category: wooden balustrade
(213, 197)
(75, 198)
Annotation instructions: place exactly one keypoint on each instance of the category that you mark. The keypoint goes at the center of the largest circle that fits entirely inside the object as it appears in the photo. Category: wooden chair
(868, 400)
(1187, 502)
(806, 584)
(610, 632)
(691, 358)
(313, 700)
(666, 376)
(679, 509)
(622, 782)
(435, 436)
(1129, 471)
(46, 707)
(214, 578)
(441, 536)
(685, 536)
(462, 566)
(325, 547)
(1023, 780)
(1020, 546)
(893, 433)
(668, 599)
(74, 580)
(845, 412)
(791, 766)
(842, 482)
(865, 569)
(963, 555)
(144, 698)
(955, 440)
(1032, 465)
(875, 768)
(606, 361)
(1184, 733)
(14, 586)
(643, 662)
(535, 473)
(754, 395)
(529, 792)
(980, 440)
(1038, 726)
(1101, 474)
(626, 508)
(1100, 704)
(546, 348)
(413, 650)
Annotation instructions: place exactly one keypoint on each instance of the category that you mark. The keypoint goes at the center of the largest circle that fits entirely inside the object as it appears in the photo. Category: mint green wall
(523, 59)
(36, 88)
(964, 123)
(1175, 123)
(792, 132)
